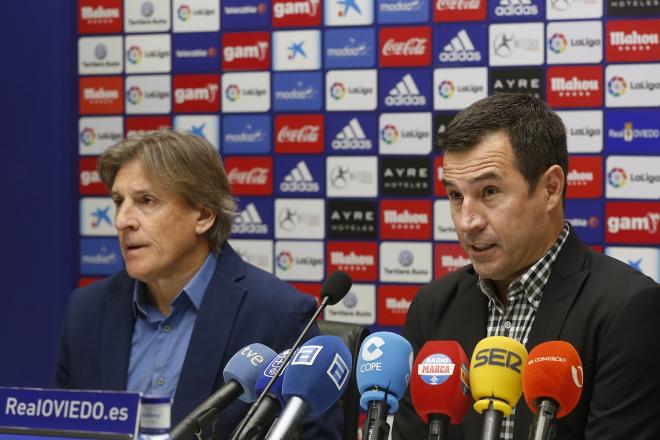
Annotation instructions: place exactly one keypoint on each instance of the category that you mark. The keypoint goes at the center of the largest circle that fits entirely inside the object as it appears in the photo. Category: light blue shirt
(160, 343)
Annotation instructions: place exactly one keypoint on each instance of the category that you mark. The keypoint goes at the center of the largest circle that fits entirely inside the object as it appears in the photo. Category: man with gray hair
(186, 301)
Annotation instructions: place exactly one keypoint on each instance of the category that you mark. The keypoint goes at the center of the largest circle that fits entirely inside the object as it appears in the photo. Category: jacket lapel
(118, 326)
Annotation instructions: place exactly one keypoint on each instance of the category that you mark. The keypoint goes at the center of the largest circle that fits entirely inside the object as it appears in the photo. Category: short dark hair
(537, 135)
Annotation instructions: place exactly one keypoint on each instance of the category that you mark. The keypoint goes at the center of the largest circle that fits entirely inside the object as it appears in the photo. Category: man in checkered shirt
(533, 280)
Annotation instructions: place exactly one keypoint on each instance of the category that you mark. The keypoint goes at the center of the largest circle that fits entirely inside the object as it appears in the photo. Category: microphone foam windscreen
(266, 374)
(318, 373)
(336, 286)
(439, 381)
(244, 366)
(383, 368)
(553, 370)
(496, 370)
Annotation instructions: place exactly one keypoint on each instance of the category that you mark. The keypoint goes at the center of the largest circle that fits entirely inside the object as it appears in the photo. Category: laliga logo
(184, 12)
(87, 136)
(134, 55)
(285, 260)
(557, 43)
(389, 134)
(233, 92)
(337, 91)
(578, 376)
(617, 86)
(371, 350)
(134, 95)
(617, 177)
(446, 89)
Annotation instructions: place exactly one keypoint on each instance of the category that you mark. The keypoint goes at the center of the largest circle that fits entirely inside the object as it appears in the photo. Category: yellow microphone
(496, 380)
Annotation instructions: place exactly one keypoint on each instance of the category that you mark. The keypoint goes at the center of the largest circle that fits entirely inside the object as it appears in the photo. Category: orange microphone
(552, 384)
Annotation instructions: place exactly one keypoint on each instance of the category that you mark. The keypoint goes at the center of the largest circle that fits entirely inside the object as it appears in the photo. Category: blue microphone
(240, 375)
(314, 380)
(383, 374)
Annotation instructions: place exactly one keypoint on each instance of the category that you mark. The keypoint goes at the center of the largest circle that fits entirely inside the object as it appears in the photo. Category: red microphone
(552, 384)
(439, 386)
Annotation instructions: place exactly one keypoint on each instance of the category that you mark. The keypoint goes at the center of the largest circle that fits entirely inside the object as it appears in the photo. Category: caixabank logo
(89, 183)
(358, 259)
(573, 9)
(197, 16)
(96, 134)
(245, 14)
(404, 133)
(575, 86)
(519, 44)
(195, 52)
(448, 258)
(100, 55)
(632, 131)
(148, 94)
(457, 88)
(299, 133)
(403, 11)
(459, 10)
(299, 218)
(101, 95)
(586, 217)
(585, 177)
(351, 177)
(350, 132)
(633, 177)
(405, 89)
(409, 176)
(297, 50)
(137, 126)
(296, 13)
(299, 260)
(632, 40)
(405, 219)
(99, 16)
(100, 256)
(460, 45)
(348, 12)
(517, 10)
(357, 307)
(249, 134)
(393, 304)
(205, 126)
(584, 130)
(405, 46)
(348, 219)
(349, 48)
(575, 42)
(147, 16)
(632, 8)
(347, 90)
(97, 216)
(148, 53)
(245, 92)
(250, 175)
(254, 218)
(246, 50)
(632, 223)
(297, 91)
(405, 262)
(528, 80)
(197, 93)
(643, 259)
(299, 175)
(632, 85)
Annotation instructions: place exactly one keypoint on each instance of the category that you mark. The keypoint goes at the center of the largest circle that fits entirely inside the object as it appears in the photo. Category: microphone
(240, 375)
(552, 383)
(495, 380)
(383, 373)
(439, 386)
(335, 287)
(314, 380)
(257, 426)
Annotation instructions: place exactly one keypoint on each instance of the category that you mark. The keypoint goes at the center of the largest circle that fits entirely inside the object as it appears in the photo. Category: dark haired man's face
(503, 228)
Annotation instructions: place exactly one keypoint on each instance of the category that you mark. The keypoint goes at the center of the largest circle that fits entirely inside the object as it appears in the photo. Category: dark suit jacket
(608, 311)
(242, 305)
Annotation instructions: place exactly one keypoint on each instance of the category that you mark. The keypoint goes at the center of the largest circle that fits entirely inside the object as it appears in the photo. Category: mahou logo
(459, 10)
(448, 258)
(393, 303)
(197, 93)
(101, 95)
(633, 222)
(575, 86)
(250, 175)
(299, 134)
(410, 219)
(99, 16)
(358, 259)
(405, 46)
(585, 177)
(246, 51)
(296, 13)
(629, 40)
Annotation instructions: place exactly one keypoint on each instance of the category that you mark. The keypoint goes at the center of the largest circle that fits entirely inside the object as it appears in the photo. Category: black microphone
(335, 287)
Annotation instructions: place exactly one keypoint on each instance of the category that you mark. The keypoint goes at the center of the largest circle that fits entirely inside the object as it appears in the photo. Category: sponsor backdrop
(325, 113)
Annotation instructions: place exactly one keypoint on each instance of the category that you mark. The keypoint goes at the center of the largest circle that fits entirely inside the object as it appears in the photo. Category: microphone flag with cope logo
(440, 381)
(496, 373)
(553, 371)
(244, 367)
(318, 373)
(383, 369)
(266, 374)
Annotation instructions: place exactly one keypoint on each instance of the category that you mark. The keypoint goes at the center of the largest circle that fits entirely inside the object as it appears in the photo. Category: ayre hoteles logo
(351, 90)
(96, 134)
(299, 175)
(632, 85)
(254, 218)
(405, 176)
(300, 218)
(575, 86)
(296, 13)
(404, 133)
(358, 259)
(101, 95)
(148, 53)
(256, 252)
(405, 262)
(350, 132)
(357, 307)
(633, 177)
(632, 40)
(299, 260)
(147, 16)
(348, 219)
(100, 55)
(632, 131)
(354, 176)
(405, 219)
(249, 134)
(99, 16)
(348, 12)
(405, 89)
(349, 48)
(519, 44)
(245, 14)
(584, 130)
(97, 216)
(527, 80)
(197, 93)
(459, 10)
(585, 177)
(403, 11)
(297, 50)
(575, 42)
(457, 88)
(250, 175)
(299, 133)
(204, 126)
(405, 46)
(460, 44)
(627, 8)
(246, 92)
(197, 16)
(147, 94)
(245, 50)
(632, 222)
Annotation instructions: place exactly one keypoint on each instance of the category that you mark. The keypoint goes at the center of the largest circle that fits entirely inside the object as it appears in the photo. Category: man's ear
(554, 181)
(205, 220)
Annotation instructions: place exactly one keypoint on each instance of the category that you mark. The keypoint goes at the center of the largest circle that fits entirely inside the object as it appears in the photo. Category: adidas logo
(248, 221)
(299, 179)
(405, 93)
(508, 8)
(460, 48)
(351, 137)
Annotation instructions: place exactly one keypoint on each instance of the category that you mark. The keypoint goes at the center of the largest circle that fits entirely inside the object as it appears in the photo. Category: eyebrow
(137, 193)
(489, 175)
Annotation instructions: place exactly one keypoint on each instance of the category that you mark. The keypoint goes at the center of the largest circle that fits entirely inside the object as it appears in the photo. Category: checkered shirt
(524, 296)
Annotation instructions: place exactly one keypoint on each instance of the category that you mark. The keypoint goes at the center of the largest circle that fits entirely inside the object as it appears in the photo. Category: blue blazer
(242, 305)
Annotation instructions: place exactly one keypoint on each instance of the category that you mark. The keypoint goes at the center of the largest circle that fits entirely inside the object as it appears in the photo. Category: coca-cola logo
(412, 47)
(299, 133)
(253, 176)
(250, 175)
(306, 134)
